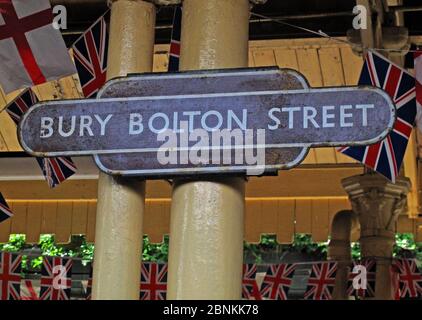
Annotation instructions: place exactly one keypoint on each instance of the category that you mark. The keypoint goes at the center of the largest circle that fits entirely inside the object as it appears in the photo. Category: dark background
(332, 16)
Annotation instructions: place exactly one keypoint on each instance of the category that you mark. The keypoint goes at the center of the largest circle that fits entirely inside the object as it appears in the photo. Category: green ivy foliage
(356, 251)
(405, 247)
(77, 248)
(302, 243)
(16, 243)
(155, 252)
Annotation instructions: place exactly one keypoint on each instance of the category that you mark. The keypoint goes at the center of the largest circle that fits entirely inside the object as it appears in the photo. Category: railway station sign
(215, 122)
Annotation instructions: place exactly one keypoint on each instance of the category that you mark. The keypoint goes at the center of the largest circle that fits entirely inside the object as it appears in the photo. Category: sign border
(232, 94)
(205, 73)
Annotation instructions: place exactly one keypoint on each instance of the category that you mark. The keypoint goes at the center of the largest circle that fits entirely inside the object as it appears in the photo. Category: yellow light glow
(154, 200)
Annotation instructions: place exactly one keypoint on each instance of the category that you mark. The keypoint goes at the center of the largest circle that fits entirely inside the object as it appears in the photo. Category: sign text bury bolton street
(182, 134)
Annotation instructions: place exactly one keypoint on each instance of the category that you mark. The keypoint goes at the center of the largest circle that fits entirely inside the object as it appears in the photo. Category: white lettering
(360, 280)
(60, 20)
(59, 280)
(291, 111)
(232, 116)
(72, 127)
(326, 116)
(364, 108)
(191, 115)
(135, 124)
(259, 159)
(344, 115)
(360, 20)
(275, 119)
(184, 142)
(309, 114)
(85, 124)
(103, 123)
(166, 154)
(199, 153)
(162, 116)
(46, 127)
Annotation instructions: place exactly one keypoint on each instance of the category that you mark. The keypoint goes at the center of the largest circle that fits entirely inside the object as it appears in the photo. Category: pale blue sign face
(207, 122)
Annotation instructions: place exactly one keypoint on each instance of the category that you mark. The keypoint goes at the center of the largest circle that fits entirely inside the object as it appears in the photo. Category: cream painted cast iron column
(121, 201)
(207, 215)
(378, 203)
(339, 249)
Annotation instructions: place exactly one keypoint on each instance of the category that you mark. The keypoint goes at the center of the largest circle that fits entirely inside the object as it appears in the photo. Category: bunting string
(274, 284)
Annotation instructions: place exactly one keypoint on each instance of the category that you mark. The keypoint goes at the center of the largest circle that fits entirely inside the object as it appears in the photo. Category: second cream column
(121, 201)
(207, 215)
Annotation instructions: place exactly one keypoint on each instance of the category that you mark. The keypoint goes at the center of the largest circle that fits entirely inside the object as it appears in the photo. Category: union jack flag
(278, 281)
(370, 266)
(387, 155)
(17, 108)
(10, 276)
(30, 289)
(5, 212)
(409, 277)
(56, 278)
(321, 281)
(153, 281)
(250, 290)
(174, 57)
(90, 54)
(55, 170)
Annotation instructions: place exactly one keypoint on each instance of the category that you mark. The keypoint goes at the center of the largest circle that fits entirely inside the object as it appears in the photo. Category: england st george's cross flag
(32, 51)
(386, 156)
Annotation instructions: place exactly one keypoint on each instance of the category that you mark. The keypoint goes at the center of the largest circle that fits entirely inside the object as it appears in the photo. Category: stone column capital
(356, 185)
(377, 202)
